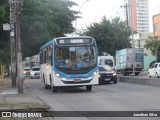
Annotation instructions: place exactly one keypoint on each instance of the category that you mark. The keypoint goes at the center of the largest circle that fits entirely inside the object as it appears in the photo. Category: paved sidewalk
(5, 83)
(10, 100)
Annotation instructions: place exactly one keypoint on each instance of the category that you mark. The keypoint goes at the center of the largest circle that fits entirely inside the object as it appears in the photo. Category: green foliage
(111, 35)
(154, 46)
(42, 20)
(4, 35)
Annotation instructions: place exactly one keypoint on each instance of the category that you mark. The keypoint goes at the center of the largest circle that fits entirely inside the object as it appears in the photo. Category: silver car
(35, 72)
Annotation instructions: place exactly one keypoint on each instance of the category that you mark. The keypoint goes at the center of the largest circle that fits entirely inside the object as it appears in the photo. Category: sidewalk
(10, 100)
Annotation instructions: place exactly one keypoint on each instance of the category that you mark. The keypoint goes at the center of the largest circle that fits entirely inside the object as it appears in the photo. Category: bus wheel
(54, 89)
(88, 87)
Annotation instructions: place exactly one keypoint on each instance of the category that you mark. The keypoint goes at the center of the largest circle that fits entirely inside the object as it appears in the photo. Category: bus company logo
(6, 114)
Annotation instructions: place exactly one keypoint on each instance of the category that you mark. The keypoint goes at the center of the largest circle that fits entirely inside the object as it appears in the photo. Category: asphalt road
(108, 97)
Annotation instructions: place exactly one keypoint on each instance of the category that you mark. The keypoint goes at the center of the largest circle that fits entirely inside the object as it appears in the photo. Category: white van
(107, 60)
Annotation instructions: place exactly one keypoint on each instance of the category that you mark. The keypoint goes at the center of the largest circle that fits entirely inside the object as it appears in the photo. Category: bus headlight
(95, 73)
(57, 75)
(114, 74)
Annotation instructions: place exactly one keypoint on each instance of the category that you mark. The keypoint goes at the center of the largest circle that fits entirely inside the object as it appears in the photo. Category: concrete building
(140, 40)
(156, 26)
(138, 15)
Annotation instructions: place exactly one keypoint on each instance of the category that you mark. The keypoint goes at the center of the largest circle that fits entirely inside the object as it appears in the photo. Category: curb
(36, 105)
(35, 96)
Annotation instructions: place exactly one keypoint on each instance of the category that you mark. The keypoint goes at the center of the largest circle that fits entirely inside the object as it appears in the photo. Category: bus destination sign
(74, 41)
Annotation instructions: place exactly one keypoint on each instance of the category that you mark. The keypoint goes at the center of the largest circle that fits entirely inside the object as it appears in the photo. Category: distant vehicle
(107, 74)
(154, 70)
(35, 72)
(69, 61)
(107, 60)
(26, 71)
(125, 59)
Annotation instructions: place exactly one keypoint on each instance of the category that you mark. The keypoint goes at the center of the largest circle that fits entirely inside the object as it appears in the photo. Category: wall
(147, 60)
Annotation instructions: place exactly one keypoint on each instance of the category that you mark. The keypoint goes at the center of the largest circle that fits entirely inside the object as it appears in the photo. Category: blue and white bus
(69, 61)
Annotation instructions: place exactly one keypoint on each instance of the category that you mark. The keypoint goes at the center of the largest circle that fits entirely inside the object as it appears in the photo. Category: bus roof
(46, 44)
(52, 41)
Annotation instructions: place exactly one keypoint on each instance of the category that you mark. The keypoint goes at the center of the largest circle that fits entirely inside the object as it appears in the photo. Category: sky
(94, 10)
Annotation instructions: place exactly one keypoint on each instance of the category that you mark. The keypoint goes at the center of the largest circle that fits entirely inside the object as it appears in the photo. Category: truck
(126, 58)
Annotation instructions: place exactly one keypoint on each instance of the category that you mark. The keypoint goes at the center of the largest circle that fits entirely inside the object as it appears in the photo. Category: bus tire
(88, 87)
(54, 89)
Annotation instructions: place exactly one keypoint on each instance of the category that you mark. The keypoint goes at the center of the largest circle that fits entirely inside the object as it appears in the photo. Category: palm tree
(154, 46)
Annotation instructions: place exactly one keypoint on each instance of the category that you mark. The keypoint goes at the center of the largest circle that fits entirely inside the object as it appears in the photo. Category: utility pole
(12, 40)
(126, 9)
(18, 45)
(127, 23)
(133, 47)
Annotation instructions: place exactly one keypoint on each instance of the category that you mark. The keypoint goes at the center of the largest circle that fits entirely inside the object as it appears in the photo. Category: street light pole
(79, 11)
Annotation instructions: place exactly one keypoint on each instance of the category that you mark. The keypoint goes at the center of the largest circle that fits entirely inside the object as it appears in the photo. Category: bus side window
(45, 56)
(51, 56)
(41, 57)
(48, 54)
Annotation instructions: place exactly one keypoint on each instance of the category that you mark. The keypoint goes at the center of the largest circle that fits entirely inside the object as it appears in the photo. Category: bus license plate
(77, 80)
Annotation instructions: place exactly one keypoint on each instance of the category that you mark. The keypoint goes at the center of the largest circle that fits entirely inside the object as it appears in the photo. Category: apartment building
(138, 15)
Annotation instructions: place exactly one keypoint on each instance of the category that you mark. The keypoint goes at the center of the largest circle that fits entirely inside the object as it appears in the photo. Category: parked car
(107, 74)
(154, 70)
(35, 72)
(26, 71)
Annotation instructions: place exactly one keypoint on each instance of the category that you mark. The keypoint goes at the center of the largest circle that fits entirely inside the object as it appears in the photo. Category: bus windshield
(75, 58)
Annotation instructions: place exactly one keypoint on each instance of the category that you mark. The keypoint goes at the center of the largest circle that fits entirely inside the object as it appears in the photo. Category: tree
(154, 46)
(111, 35)
(42, 20)
(4, 35)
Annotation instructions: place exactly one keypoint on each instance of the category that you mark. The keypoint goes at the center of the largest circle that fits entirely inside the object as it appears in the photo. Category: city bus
(69, 61)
